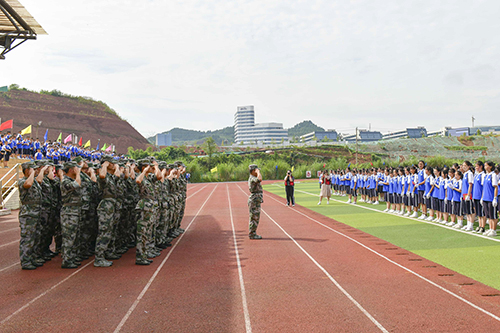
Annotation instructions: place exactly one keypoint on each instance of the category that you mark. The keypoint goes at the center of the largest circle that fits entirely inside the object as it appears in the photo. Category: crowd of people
(457, 196)
(15, 145)
(99, 209)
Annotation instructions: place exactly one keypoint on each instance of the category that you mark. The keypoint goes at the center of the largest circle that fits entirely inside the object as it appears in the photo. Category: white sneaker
(422, 217)
(407, 214)
(469, 229)
(375, 203)
(349, 201)
(435, 220)
(464, 228)
(493, 233)
(319, 203)
(354, 203)
(328, 202)
(391, 211)
(450, 224)
(487, 232)
(442, 222)
(458, 226)
(415, 214)
(401, 213)
(386, 210)
(430, 218)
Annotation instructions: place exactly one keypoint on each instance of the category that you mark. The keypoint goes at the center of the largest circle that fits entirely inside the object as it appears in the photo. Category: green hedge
(474, 148)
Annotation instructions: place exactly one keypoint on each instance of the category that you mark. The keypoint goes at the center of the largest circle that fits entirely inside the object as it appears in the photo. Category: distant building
(319, 136)
(4, 89)
(484, 130)
(163, 139)
(248, 132)
(457, 131)
(412, 133)
(369, 136)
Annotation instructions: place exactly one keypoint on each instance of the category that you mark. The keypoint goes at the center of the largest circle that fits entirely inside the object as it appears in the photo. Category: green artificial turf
(472, 256)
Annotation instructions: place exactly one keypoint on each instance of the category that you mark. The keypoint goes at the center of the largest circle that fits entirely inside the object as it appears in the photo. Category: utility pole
(356, 146)
(473, 121)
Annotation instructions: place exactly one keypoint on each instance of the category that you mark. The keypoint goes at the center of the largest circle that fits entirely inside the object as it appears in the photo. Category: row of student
(446, 196)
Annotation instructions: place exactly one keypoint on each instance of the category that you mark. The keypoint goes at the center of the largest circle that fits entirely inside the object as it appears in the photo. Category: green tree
(210, 147)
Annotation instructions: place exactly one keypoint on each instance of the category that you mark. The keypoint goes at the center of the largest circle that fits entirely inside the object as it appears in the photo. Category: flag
(97, 148)
(46, 135)
(87, 144)
(68, 139)
(80, 142)
(7, 124)
(293, 167)
(59, 138)
(383, 163)
(109, 148)
(349, 165)
(27, 130)
(213, 170)
(324, 165)
(103, 147)
(371, 163)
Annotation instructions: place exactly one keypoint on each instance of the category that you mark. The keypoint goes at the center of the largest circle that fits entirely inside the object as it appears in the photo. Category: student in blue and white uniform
(449, 178)
(399, 191)
(348, 176)
(385, 188)
(457, 198)
(407, 192)
(441, 195)
(467, 183)
(413, 191)
(477, 193)
(428, 185)
(490, 198)
(354, 184)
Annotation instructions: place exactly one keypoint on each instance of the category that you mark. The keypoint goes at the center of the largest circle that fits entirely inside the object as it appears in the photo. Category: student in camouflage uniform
(57, 208)
(30, 193)
(44, 236)
(86, 225)
(71, 192)
(132, 199)
(182, 195)
(106, 210)
(155, 178)
(254, 200)
(146, 211)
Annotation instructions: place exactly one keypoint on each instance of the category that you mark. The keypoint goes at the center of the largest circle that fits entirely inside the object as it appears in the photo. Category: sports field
(469, 254)
(309, 273)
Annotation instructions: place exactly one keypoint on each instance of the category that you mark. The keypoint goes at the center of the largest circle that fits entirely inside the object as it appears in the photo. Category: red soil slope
(87, 119)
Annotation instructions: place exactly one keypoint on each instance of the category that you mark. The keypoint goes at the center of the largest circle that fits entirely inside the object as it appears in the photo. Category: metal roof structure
(16, 26)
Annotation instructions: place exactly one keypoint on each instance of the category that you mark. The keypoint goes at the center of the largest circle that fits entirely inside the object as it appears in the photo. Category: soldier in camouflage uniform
(254, 200)
(57, 208)
(132, 198)
(156, 179)
(70, 213)
(106, 210)
(86, 225)
(95, 198)
(44, 236)
(30, 193)
(146, 211)
(117, 246)
(182, 195)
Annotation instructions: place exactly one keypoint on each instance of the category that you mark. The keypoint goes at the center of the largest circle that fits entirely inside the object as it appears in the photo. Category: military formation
(99, 209)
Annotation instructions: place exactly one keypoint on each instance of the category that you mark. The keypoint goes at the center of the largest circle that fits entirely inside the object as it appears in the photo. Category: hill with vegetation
(87, 118)
(303, 128)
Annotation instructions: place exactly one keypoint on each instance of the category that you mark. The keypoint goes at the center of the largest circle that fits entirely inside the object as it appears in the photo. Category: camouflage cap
(90, 164)
(58, 167)
(107, 158)
(162, 165)
(40, 163)
(170, 166)
(143, 163)
(70, 164)
(78, 159)
(252, 167)
(28, 165)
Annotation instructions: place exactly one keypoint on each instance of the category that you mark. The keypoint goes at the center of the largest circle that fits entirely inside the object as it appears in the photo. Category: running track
(309, 274)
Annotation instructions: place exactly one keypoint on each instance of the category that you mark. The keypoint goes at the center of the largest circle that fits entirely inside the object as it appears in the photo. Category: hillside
(184, 136)
(82, 116)
(304, 127)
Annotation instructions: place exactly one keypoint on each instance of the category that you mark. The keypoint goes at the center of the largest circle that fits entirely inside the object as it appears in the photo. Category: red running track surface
(309, 274)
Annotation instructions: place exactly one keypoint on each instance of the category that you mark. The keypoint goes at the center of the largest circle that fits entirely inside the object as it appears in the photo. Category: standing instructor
(254, 200)
(289, 187)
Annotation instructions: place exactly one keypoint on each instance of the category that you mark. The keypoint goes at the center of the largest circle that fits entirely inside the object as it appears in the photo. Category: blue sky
(341, 64)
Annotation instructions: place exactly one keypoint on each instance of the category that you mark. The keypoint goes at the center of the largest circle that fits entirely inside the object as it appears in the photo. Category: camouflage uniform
(44, 236)
(56, 190)
(86, 223)
(119, 239)
(182, 197)
(254, 202)
(70, 218)
(132, 197)
(106, 215)
(146, 210)
(29, 217)
(157, 185)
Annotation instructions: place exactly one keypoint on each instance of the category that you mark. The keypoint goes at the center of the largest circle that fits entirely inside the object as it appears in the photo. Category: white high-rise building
(247, 131)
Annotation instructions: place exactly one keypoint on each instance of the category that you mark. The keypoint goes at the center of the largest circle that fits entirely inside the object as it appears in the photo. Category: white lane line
(192, 195)
(404, 217)
(1, 232)
(10, 266)
(146, 287)
(366, 313)
(10, 243)
(248, 325)
(44, 293)
(399, 265)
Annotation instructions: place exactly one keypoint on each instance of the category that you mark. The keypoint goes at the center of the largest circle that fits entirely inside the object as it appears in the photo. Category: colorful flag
(59, 138)
(109, 148)
(80, 142)
(213, 170)
(293, 167)
(27, 130)
(97, 148)
(87, 144)
(7, 124)
(103, 147)
(68, 139)
(46, 135)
